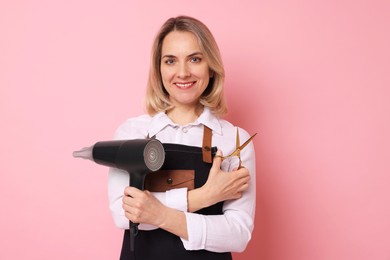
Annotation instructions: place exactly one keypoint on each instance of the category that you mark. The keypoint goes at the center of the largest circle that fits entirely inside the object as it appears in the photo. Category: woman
(211, 213)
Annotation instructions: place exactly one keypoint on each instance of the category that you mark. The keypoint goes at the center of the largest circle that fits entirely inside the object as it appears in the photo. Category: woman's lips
(184, 85)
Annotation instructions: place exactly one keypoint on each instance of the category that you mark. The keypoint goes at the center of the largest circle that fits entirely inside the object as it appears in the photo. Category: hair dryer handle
(137, 180)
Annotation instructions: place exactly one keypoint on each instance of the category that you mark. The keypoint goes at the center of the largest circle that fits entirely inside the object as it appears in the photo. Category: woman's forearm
(174, 221)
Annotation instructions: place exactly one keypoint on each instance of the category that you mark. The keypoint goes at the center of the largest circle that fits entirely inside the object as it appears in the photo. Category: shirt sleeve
(230, 231)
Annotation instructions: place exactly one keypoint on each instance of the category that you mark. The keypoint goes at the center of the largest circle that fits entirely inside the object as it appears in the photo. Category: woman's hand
(220, 186)
(142, 207)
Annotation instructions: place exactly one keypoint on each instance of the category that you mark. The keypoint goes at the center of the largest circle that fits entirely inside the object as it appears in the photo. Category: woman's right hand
(220, 186)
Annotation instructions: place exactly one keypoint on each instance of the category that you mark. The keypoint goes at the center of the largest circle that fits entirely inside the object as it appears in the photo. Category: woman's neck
(185, 115)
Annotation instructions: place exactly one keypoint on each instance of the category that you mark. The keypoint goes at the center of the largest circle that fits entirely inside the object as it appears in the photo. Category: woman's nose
(183, 71)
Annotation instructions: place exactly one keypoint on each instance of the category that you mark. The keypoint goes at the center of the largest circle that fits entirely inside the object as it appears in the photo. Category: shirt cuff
(196, 228)
(177, 199)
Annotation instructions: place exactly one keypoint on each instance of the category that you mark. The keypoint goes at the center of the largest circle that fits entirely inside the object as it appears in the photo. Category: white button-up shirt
(228, 232)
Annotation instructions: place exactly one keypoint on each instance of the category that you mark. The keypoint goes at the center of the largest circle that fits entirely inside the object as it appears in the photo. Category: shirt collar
(208, 119)
(158, 123)
(161, 120)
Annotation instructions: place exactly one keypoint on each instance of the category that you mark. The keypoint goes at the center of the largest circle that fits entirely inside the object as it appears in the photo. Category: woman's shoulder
(134, 127)
(141, 119)
(230, 129)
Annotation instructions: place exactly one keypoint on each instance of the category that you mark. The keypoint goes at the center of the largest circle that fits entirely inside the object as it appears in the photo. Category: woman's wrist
(198, 199)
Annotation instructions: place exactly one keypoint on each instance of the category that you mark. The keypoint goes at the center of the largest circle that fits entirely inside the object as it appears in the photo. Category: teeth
(183, 85)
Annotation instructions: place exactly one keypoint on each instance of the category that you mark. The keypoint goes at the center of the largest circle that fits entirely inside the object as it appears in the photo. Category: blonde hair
(157, 99)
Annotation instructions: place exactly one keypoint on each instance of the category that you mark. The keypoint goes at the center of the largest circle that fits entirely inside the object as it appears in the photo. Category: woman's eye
(169, 61)
(195, 59)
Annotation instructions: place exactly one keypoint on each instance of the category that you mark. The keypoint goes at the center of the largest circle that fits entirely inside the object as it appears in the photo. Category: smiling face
(184, 71)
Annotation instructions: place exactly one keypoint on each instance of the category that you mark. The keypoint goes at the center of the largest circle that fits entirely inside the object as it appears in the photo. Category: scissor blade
(237, 140)
(247, 142)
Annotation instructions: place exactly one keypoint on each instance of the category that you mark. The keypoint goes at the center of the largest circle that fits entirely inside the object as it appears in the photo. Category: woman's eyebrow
(168, 56)
(173, 56)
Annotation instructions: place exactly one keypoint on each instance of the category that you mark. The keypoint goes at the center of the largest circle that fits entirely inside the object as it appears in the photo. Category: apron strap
(206, 146)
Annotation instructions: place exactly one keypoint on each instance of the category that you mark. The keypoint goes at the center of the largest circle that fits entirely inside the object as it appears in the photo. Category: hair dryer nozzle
(85, 153)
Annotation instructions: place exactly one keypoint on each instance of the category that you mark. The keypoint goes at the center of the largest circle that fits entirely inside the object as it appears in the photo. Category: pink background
(311, 77)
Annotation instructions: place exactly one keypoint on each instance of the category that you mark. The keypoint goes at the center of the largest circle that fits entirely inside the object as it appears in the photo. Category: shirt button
(184, 129)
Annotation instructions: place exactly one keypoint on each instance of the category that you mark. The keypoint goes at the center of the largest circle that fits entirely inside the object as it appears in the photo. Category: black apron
(159, 244)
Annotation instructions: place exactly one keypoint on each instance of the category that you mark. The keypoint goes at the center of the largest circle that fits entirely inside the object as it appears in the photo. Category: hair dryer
(138, 157)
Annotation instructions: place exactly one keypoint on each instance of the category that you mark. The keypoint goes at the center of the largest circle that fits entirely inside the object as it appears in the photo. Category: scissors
(239, 147)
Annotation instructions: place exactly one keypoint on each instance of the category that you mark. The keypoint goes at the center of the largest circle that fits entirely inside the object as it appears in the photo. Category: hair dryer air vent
(154, 155)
